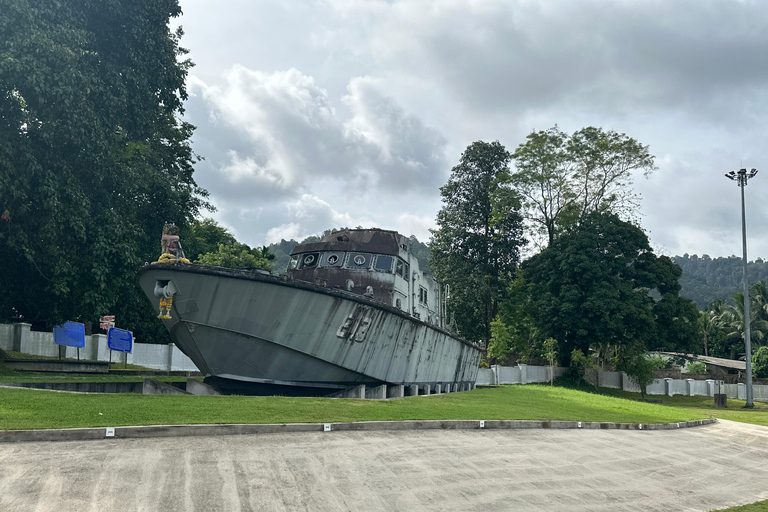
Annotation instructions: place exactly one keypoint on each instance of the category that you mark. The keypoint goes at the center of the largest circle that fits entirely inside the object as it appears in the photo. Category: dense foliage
(476, 246)
(93, 159)
(599, 286)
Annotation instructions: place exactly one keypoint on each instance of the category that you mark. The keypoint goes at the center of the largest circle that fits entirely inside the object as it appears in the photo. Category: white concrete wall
(158, 357)
(677, 387)
(6, 336)
(698, 388)
(609, 379)
(657, 387)
(486, 377)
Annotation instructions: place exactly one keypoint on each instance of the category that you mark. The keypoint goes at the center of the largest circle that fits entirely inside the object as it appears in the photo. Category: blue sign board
(119, 339)
(71, 334)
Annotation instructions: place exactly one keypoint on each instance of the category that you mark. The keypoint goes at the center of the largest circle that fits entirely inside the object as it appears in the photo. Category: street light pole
(741, 177)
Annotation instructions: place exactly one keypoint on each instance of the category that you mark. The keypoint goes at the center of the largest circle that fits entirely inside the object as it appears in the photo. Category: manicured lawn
(29, 409)
(760, 506)
(703, 405)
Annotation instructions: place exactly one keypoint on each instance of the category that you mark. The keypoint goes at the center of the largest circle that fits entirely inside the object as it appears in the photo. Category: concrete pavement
(700, 468)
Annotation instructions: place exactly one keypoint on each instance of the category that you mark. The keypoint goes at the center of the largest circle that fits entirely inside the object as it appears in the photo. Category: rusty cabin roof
(379, 241)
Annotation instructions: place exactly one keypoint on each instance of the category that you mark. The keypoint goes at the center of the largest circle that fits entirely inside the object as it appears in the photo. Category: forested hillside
(705, 279)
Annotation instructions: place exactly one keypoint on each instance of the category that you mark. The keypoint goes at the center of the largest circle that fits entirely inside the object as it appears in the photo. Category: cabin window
(333, 259)
(383, 263)
(309, 260)
(402, 269)
(294, 262)
(359, 260)
(422, 295)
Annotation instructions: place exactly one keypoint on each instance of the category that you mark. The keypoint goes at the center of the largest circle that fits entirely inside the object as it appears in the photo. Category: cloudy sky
(317, 114)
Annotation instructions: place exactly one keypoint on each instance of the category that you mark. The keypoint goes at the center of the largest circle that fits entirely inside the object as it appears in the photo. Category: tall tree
(93, 158)
(562, 177)
(476, 247)
(593, 288)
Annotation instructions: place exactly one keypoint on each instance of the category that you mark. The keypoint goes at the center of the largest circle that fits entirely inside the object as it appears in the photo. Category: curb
(87, 434)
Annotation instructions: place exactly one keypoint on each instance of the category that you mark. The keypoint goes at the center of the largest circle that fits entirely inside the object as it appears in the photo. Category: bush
(697, 368)
(760, 363)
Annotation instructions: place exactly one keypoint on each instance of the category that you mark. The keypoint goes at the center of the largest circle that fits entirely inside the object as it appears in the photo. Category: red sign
(106, 321)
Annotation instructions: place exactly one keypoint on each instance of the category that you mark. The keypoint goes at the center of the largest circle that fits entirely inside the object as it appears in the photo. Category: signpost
(119, 340)
(71, 334)
(106, 322)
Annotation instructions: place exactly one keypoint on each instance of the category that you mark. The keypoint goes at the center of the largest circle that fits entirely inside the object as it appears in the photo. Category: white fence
(528, 374)
(20, 338)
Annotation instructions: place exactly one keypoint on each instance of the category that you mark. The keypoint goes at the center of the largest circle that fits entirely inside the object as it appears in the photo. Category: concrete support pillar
(425, 389)
(21, 336)
(436, 389)
(689, 387)
(169, 360)
(94, 350)
(456, 387)
(668, 387)
(710, 387)
(413, 390)
(376, 392)
(447, 388)
(523, 373)
(396, 391)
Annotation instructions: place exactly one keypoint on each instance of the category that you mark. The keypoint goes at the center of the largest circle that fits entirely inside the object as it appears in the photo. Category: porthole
(359, 260)
(332, 259)
(309, 260)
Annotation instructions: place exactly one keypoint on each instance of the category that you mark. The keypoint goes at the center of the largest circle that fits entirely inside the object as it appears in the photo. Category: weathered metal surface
(354, 240)
(252, 327)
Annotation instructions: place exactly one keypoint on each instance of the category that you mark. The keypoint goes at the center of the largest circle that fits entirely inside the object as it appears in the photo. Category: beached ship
(352, 309)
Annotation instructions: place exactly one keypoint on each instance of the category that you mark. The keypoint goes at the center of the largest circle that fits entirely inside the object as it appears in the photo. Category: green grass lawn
(701, 404)
(30, 409)
(760, 506)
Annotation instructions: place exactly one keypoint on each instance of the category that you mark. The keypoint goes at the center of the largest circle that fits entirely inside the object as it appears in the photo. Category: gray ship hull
(248, 331)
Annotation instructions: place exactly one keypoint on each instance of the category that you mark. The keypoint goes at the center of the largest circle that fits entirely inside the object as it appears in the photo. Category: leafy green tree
(760, 363)
(237, 255)
(710, 325)
(550, 350)
(562, 177)
(592, 286)
(585, 367)
(476, 247)
(501, 341)
(204, 236)
(517, 314)
(93, 158)
(641, 369)
(733, 319)
(697, 368)
(543, 177)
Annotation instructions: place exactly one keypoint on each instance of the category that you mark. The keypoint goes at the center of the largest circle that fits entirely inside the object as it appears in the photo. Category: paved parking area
(701, 468)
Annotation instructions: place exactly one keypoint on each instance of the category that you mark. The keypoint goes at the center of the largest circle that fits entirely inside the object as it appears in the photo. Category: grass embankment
(28, 409)
(703, 405)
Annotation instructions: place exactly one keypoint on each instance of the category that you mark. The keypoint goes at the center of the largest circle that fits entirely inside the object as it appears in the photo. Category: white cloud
(373, 102)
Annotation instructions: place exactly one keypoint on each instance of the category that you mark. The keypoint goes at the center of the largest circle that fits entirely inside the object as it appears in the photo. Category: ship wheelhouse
(374, 263)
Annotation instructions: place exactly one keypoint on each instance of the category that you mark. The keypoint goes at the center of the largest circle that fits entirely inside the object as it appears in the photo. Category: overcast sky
(316, 114)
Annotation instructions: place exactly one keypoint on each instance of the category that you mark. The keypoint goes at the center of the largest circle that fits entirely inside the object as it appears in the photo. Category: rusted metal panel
(354, 240)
